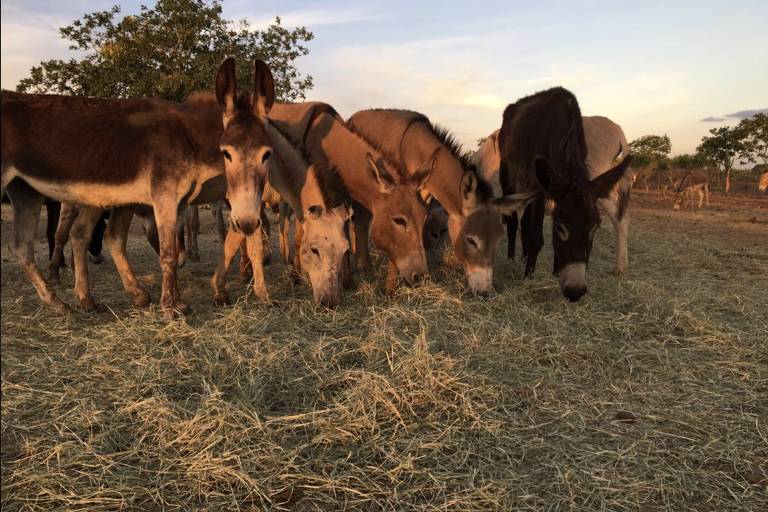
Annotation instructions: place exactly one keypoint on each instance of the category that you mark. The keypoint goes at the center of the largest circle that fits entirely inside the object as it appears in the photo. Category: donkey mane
(389, 158)
(331, 185)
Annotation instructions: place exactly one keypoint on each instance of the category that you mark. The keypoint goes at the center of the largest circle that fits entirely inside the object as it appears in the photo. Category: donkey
(474, 219)
(763, 184)
(385, 197)
(606, 146)
(693, 182)
(315, 196)
(103, 153)
(543, 149)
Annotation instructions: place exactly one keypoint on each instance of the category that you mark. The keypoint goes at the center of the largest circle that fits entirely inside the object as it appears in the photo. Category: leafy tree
(722, 147)
(169, 51)
(651, 149)
(691, 161)
(753, 132)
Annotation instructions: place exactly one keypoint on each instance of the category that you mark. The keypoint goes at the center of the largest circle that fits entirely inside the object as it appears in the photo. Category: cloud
(712, 119)
(745, 114)
(314, 17)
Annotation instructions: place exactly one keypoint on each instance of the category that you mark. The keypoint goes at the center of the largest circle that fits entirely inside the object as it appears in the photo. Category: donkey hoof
(88, 305)
(221, 299)
(61, 308)
(54, 276)
(617, 271)
(96, 259)
(142, 300)
(177, 310)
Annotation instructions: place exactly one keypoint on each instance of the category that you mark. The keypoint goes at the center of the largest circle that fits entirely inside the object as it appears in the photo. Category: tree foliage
(651, 149)
(169, 50)
(723, 146)
(691, 161)
(753, 133)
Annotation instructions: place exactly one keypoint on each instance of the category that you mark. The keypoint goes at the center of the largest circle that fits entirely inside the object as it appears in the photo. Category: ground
(649, 394)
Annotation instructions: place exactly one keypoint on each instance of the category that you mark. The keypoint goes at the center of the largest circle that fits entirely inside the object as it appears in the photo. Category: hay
(651, 394)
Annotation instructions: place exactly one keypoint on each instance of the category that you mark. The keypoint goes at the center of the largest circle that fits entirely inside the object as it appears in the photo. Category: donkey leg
(192, 227)
(298, 237)
(116, 237)
(532, 227)
(218, 281)
(284, 223)
(97, 239)
(362, 221)
(255, 247)
(246, 272)
(67, 215)
(53, 209)
(81, 232)
(511, 235)
(166, 217)
(27, 203)
(218, 214)
(266, 231)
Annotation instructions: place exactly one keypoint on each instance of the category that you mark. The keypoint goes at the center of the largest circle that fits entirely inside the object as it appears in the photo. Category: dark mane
(448, 139)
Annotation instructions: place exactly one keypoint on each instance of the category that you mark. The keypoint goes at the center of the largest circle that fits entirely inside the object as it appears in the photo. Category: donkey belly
(100, 195)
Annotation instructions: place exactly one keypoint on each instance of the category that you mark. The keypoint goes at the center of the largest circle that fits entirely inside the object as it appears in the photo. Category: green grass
(649, 394)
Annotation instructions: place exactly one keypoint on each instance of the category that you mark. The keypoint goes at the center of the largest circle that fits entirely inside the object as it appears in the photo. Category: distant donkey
(693, 182)
(763, 185)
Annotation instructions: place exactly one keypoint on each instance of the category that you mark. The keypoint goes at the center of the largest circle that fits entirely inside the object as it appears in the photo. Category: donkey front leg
(361, 220)
(255, 245)
(166, 217)
(27, 203)
(116, 238)
(218, 281)
(192, 227)
(81, 232)
(67, 215)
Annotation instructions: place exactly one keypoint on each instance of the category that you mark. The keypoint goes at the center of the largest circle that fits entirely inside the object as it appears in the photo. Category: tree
(753, 133)
(694, 161)
(169, 50)
(650, 149)
(722, 147)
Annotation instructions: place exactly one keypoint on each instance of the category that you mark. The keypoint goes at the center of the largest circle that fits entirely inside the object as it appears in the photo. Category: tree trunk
(727, 181)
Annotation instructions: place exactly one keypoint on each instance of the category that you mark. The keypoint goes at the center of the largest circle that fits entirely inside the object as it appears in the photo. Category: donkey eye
(471, 241)
(400, 221)
(266, 156)
(226, 154)
(315, 252)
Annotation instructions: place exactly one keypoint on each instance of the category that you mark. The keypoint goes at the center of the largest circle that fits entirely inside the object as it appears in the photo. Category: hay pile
(650, 394)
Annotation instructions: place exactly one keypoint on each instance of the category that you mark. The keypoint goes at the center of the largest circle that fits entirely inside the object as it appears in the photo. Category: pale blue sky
(653, 67)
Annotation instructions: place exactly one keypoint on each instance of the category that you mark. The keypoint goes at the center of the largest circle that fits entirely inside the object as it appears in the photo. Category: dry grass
(650, 394)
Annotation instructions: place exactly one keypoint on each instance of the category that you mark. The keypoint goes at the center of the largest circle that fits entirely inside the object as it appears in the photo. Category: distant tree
(753, 133)
(169, 51)
(691, 161)
(651, 149)
(722, 147)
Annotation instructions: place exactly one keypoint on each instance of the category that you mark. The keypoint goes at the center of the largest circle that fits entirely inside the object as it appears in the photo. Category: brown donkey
(693, 182)
(311, 193)
(543, 149)
(103, 153)
(474, 218)
(385, 197)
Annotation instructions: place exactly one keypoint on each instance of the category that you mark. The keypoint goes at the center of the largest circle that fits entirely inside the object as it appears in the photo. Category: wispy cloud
(315, 17)
(741, 114)
(712, 119)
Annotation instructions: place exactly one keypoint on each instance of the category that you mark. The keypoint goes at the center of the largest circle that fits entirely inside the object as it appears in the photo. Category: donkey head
(575, 219)
(477, 232)
(435, 226)
(324, 243)
(398, 217)
(245, 144)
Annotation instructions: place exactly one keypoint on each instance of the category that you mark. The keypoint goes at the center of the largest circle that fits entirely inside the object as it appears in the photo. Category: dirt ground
(649, 394)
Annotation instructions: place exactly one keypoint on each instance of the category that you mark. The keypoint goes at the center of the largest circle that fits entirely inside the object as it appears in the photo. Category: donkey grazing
(385, 197)
(693, 182)
(606, 146)
(543, 149)
(763, 184)
(102, 153)
(474, 220)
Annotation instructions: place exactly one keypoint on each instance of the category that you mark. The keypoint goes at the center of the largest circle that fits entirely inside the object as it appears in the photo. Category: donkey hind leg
(361, 220)
(192, 228)
(81, 232)
(532, 230)
(217, 209)
(255, 247)
(166, 217)
(53, 209)
(116, 237)
(511, 221)
(27, 203)
(218, 281)
(67, 215)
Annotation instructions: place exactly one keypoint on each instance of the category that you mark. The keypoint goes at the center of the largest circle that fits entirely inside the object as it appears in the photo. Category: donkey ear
(549, 178)
(384, 181)
(514, 203)
(602, 185)
(468, 190)
(315, 211)
(263, 89)
(226, 86)
(419, 178)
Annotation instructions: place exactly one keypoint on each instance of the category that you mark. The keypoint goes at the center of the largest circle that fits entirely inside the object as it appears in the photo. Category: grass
(649, 394)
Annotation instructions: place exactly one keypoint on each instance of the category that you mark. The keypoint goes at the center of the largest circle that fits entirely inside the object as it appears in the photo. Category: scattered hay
(650, 394)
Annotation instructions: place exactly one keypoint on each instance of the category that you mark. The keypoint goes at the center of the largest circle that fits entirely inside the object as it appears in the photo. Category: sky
(678, 68)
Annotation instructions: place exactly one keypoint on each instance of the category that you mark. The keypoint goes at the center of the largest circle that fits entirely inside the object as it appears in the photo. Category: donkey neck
(289, 173)
(347, 152)
(418, 144)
